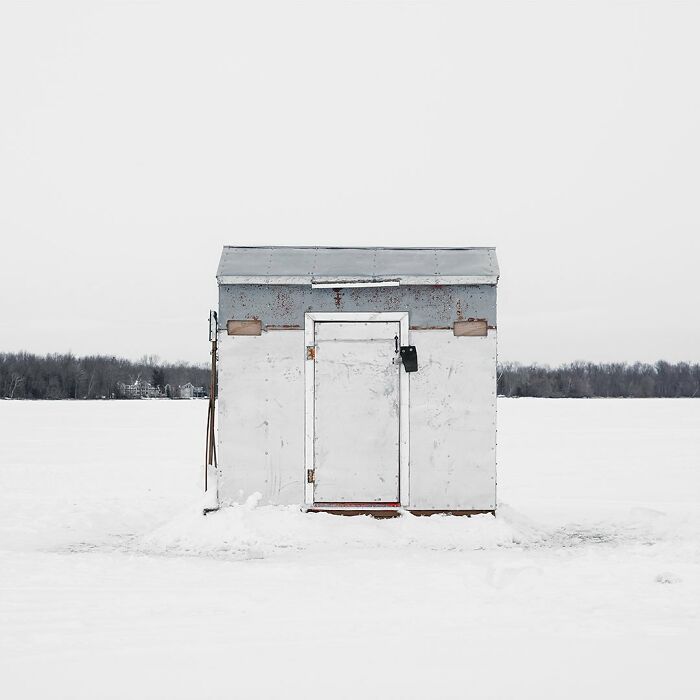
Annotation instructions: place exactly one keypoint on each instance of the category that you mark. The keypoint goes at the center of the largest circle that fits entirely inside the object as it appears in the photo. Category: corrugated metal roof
(300, 265)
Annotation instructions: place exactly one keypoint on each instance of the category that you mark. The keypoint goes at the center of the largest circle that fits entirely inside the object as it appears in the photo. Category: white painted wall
(453, 422)
(452, 419)
(261, 417)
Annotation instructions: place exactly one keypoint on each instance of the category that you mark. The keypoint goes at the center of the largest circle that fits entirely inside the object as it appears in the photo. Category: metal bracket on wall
(310, 352)
(409, 358)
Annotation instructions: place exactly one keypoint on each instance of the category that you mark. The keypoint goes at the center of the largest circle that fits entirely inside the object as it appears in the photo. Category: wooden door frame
(400, 317)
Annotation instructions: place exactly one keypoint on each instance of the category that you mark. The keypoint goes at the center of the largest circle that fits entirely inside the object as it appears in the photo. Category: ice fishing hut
(358, 379)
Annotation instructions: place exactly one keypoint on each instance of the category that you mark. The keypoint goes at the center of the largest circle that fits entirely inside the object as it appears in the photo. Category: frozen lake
(113, 585)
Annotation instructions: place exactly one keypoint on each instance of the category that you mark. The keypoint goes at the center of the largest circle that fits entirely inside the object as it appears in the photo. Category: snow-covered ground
(113, 585)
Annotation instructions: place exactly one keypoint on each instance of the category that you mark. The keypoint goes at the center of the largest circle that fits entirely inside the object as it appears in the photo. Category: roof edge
(417, 280)
(360, 247)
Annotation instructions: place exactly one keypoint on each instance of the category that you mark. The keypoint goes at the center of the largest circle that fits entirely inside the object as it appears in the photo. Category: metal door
(356, 412)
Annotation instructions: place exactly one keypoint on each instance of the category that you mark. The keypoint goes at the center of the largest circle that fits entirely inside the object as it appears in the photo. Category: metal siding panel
(426, 264)
(329, 262)
(453, 422)
(255, 261)
(402, 261)
(429, 306)
(478, 261)
(261, 417)
(289, 261)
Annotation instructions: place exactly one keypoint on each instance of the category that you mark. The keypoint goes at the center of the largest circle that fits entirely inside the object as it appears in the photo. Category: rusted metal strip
(444, 328)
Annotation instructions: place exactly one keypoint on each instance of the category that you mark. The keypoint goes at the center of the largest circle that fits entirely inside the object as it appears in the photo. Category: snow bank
(247, 531)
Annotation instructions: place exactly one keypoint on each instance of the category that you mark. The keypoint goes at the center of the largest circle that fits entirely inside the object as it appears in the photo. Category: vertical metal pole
(210, 452)
(211, 440)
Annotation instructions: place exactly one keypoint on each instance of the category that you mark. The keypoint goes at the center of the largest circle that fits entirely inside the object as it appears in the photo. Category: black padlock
(409, 358)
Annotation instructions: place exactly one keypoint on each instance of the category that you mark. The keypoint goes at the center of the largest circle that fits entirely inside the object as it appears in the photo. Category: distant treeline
(27, 376)
(587, 379)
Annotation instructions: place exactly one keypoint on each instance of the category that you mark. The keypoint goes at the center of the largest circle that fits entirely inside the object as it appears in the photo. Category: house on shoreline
(142, 389)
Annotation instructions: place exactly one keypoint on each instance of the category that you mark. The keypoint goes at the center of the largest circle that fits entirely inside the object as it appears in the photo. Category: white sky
(138, 138)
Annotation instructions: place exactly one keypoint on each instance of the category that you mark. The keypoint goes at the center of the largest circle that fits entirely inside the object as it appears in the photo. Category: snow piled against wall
(243, 531)
(249, 531)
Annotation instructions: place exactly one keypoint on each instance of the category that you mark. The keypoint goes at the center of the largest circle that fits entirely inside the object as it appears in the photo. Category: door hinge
(310, 352)
(310, 476)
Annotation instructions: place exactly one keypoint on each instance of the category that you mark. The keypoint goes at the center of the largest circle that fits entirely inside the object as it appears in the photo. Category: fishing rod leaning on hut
(210, 462)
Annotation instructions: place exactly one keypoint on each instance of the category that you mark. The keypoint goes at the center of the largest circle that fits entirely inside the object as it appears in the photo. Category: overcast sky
(136, 139)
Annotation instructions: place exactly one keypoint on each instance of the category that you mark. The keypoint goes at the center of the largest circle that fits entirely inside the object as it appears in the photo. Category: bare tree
(16, 381)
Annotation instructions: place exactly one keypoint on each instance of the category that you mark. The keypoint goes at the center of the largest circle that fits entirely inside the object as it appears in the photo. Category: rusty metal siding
(284, 306)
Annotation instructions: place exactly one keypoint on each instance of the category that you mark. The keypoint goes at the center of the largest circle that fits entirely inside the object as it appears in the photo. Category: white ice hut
(358, 379)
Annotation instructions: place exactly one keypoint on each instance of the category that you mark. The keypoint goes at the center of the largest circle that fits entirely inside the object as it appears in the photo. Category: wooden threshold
(392, 512)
